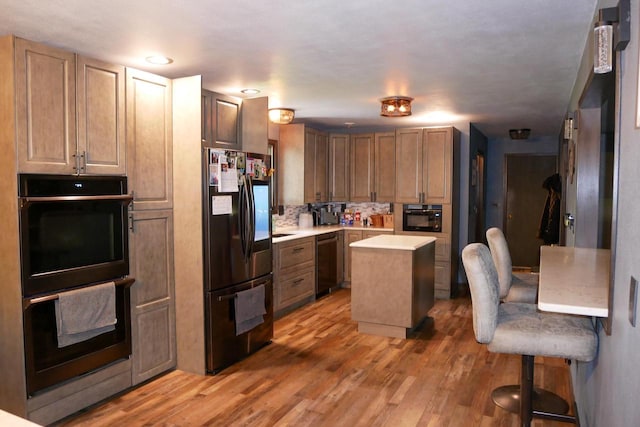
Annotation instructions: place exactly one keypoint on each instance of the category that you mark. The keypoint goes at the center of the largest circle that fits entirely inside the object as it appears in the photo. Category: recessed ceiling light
(159, 60)
(250, 91)
(349, 124)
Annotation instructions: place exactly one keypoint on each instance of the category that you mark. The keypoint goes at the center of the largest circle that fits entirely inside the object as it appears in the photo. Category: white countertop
(10, 420)
(297, 232)
(574, 280)
(394, 241)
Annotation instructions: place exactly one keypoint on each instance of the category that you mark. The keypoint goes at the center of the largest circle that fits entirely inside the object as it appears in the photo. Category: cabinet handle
(83, 161)
(298, 249)
(298, 281)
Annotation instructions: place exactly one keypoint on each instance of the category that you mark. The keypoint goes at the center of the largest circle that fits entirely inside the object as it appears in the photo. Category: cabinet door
(437, 164)
(220, 121)
(149, 140)
(255, 125)
(316, 159)
(45, 108)
(361, 170)
(350, 236)
(409, 166)
(385, 167)
(153, 333)
(338, 167)
(101, 121)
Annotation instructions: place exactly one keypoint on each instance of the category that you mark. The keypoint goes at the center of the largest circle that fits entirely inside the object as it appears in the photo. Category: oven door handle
(124, 198)
(28, 302)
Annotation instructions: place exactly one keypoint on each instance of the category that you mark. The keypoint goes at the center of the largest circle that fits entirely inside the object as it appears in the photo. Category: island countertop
(394, 241)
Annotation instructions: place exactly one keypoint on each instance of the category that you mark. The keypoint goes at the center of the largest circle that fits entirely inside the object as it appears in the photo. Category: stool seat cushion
(524, 288)
(522, 329)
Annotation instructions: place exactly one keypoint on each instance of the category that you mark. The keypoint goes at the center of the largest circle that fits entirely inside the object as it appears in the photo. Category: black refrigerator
(237, 253)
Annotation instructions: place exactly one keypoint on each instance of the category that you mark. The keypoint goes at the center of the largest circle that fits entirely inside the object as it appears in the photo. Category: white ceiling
(499, 64)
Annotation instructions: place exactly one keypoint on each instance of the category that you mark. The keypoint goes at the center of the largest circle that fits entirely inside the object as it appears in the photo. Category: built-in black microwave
(422, 218)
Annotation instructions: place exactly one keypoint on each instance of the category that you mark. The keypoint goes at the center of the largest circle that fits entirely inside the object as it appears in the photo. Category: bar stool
(517, 328)
(514, 287)
(522, 288)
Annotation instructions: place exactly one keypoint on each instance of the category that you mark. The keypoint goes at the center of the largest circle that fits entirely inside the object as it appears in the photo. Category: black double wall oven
(74, 234)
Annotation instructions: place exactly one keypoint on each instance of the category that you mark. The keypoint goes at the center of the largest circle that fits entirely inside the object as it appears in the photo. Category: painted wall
(498, 149)
(606, 389)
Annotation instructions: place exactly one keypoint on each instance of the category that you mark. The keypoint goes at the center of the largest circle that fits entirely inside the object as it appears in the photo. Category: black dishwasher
(326, 263)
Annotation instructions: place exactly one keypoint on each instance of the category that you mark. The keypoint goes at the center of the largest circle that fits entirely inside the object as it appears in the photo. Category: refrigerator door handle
(246, 242)
(252, 217)
(242, 216)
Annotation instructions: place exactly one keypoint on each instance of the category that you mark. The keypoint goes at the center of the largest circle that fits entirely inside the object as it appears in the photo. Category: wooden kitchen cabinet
(220, 121)
(153, 335)
(304, 157)
(150, 140)
(254, 123)
(338, 168)
(294, 274)
(70, 116)
(372, 172)
(151, 255)
(424, 165)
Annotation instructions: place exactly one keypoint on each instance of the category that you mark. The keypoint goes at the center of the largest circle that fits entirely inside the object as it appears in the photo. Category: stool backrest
(501, 259)
(483, 284)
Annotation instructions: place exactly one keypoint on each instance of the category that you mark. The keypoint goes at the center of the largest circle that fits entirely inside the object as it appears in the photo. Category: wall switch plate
(633, 301)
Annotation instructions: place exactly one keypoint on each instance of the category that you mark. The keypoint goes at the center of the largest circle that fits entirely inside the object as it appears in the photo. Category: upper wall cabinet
(70, 112)
(424, 165)
(235, 124)
(220, 121)
(149, 140)
(303, 158)
(338, 167)
(255, 125)
(372, 174)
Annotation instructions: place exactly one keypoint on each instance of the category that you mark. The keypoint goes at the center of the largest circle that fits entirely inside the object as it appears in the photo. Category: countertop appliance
(238, 253)
(422, 218)
(326, 263)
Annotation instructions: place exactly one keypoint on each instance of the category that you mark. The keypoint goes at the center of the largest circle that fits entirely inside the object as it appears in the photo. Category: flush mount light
(281, 116)
(396, 106)
(250, 91)
(519, 133)
(159, 60)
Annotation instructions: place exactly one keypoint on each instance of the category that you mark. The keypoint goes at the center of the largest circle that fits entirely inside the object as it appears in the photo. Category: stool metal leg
(508, 398)
(526, 390)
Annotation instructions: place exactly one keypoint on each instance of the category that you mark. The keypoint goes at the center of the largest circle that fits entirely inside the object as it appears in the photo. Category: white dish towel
(85, 313)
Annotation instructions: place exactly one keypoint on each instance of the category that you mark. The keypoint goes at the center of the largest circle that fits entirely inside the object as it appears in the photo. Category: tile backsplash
(291, 212)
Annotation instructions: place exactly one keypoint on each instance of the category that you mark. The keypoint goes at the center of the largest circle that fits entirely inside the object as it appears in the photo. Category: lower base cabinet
(153, 334)
(294, 274)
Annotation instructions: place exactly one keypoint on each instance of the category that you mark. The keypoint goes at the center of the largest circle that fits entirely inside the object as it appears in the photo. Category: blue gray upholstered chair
(519, 328)
(514, 287)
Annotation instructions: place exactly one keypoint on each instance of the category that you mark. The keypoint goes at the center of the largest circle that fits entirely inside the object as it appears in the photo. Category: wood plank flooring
(319, 371)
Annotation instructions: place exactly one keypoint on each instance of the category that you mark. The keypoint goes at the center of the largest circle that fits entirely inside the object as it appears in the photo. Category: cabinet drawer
(294, 287)
(295, 252)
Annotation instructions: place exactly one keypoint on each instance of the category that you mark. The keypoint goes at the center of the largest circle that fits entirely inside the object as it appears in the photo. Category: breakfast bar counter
(574, 280)
(392, 283)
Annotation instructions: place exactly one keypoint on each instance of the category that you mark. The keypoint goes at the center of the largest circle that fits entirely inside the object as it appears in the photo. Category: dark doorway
(477, 187)
(525, 199)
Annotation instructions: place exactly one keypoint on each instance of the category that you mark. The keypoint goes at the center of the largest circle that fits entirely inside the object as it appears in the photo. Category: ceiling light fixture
(611, 31)
(159, 60)
(519, 133)
(396, 106)
(250, 91)
(281, 116)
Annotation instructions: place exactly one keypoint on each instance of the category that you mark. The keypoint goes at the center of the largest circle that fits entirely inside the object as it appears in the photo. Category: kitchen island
(392, 283)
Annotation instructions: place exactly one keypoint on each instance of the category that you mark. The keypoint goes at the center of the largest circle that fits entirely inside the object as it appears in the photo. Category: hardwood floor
(319, 371)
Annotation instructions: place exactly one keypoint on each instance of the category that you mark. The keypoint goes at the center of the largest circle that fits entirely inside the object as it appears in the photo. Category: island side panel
(423, 281)
(381, 286)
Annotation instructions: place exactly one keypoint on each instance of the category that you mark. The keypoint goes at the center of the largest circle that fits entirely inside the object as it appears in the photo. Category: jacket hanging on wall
(549, 229)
